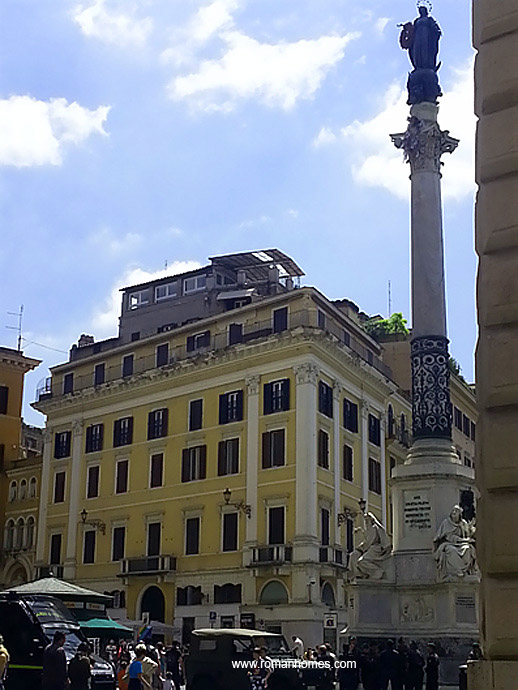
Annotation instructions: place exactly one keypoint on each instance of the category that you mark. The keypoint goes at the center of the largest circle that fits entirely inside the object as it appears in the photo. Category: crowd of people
(143, 666)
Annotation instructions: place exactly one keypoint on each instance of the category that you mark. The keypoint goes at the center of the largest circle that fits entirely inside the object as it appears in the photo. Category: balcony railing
(216, 343)
(333, 556)
(145, 565)
(396, 433)
(271, 555)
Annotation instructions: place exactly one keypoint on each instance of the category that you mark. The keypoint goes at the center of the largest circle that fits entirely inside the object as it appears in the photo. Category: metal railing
(267, 555)
(396, 433)
(216, 343)
(329, 555)
(144, 565)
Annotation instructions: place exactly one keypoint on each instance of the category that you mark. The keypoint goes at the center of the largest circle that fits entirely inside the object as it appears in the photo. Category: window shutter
(221, 459)
(240, 406)
(116, 432)
(321, 406)
(56, 445)
(286, 394)
(130, 429)
(151, 425)
(268, 395)
(235, 456)
(278, 448)
(185, 465)
(223, 408)
(190, 343)
(101, 436)
(68, 439)
(354, 417)
(203, 462)
(321, 461)
(267, 457)
(165, 421)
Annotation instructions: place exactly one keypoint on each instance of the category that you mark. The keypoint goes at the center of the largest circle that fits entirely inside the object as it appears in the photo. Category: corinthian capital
(252, 385)
(77, 427)
(306, 373)
(424, 144)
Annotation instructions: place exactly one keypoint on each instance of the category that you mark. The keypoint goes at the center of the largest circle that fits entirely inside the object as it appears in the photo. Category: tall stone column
(75, 476)
(496, 79)
(45, 497)
(364, 414)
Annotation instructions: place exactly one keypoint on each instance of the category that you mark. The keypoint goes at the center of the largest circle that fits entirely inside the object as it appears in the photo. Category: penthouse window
(157, 423)
(162, 355)
(276, 396)
(127, 365)
(99, 374)
(123, 432)
(198, 341)
(280, 320)
(138, 299)
(94, 438)
(194, 284)
(194, 463)
(166, 291)
(62, 441)
(325, 399)
(68, 383)
(231, 407)
(350, 416)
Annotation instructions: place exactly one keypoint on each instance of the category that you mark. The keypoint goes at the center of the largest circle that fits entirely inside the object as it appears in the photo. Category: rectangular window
(89, 546)
(118, 543)
(121, 477)
(94, 438)
(374, 430)
(350, 416)
(157, 423)
(55, 549)
(198, 341)
(62, 443)
(154, 537)
(194, 284)
(230, 531)
(4, 399)
(467, 460)
(457, 418)
(323, 449)
(228, 457)
(194, 463)
(325, 399)
(156, 477)
(324, 526)
(99, 374)
(321, 319)
(348, 467)
(127, 365)
(466, 425)
(123, 432)
(192, 536)
(276, 396)
(92, 482)
(195, 415)
(59, 487)
(235, 333)
(276, 525)
(138, 299)
(68, 383)
(166, 291)
(473, 431)
(273, 449)
(162, 355)
(231, 407)
(374, 476)
(280, 320)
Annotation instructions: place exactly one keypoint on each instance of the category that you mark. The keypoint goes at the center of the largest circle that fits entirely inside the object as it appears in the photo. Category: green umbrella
(105, 626)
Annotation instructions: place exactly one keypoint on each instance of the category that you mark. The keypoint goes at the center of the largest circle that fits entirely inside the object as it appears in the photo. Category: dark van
(28, 623)
(208, 666)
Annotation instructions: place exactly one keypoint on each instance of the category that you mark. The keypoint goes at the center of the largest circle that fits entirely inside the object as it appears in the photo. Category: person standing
(122, 674)
(415, 670)
(350, 677)
(4, 662)
(432, 669)
(298, 647)
(326, 674)
(390, 663)
(137, 680)
(259, 672)
(55, 664)
(174, 663)
(80, 669)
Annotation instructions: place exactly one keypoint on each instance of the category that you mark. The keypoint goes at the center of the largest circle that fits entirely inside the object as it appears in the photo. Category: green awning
(105, 626)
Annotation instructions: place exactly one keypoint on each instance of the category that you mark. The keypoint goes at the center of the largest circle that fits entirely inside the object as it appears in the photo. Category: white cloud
(115, 25)
(111, 244)
(275, 74)
(381, 24)
(325, 136)
(36, 132)
(104, 321)
(376, 163)
(212, 19)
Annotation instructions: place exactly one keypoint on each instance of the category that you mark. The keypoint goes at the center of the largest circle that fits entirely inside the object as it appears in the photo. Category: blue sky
(138, 132)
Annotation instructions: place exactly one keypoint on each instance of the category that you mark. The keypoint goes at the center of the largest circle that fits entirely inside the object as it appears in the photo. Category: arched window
(274, 593)
(22, 495)
(29, 532)
(20, 529)
(33, 487)
(328, 595)
(9, 535)
(13, 491)
(153, 602)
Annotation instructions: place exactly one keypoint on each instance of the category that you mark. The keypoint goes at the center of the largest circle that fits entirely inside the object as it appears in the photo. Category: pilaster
(75, 476)
(252, 457)
(337, 457)
(364, 412)
(45, 497)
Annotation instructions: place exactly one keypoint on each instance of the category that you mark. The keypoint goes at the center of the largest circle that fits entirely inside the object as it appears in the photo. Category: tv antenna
(17, 328)
(389, 299)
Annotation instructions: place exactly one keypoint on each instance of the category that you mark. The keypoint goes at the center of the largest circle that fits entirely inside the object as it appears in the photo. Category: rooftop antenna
(165, 265)
(17, 328)
(389, 299)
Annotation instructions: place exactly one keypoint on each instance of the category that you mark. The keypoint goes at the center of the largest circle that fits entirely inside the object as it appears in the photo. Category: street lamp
(98, 524)
(243, 507)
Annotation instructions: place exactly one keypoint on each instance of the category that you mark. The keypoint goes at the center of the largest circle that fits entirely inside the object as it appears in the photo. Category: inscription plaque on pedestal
(465, 608)
(417, 511)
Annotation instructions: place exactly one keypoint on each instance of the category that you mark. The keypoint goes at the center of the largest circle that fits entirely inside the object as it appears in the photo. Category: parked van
(209, 666)
(28, 623)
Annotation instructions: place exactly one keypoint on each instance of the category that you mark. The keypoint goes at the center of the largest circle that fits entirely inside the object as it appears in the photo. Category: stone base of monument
(493, 675)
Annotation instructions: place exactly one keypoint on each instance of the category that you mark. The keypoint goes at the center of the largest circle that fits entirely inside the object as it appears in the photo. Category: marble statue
(454, 547)
(365, 562)
(421, 39)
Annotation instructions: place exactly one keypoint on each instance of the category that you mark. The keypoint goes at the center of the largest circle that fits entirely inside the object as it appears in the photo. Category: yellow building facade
(208, 471)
